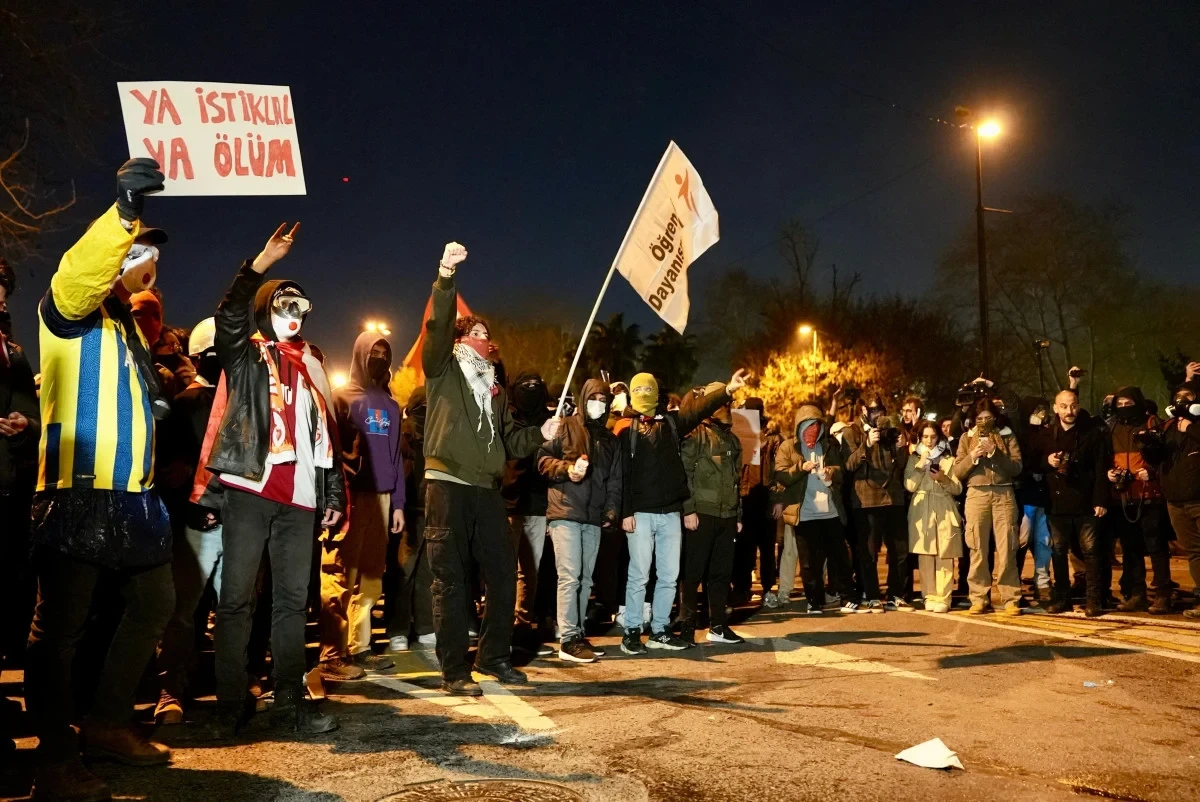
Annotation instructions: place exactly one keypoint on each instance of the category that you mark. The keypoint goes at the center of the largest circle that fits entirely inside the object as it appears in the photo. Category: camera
(1151, 446)
(1124, 477)
(889, 431)
(1064, 466)
(1076, 373)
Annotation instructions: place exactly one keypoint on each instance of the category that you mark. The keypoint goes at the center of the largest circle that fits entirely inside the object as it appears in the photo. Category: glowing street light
(339, 379)
(377, 326)
(989, 129)
(805, 330)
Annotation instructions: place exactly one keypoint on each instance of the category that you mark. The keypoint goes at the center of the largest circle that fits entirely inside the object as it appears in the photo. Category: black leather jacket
(241, 443)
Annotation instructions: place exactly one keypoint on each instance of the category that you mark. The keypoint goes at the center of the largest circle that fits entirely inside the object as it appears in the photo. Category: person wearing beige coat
(934, 525)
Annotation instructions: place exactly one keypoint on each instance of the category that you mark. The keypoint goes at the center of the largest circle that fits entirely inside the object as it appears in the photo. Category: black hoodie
(597, 499)
(1181, 469)
(523, 489)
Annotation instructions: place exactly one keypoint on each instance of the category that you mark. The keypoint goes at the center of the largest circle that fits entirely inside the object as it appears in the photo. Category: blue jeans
(575, 548)
(1039, 540)
(661, 534)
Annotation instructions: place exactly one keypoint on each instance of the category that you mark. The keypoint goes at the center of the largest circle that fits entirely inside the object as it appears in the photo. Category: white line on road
(524, 714)
(465, 705)
(798, 653)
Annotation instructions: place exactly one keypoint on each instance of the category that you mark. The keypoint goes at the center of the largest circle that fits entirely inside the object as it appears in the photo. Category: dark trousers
(877, 527)
(816, 543)
(756, 541)
(1185, 520)
(19, 589)
(65, 589)
(1083, 528)
(464, 523)
(1141, 538)
(708, 558)
(252, 524)
(408, 593)
(611, 573)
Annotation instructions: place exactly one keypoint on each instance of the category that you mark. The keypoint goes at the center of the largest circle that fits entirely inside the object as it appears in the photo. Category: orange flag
(413, 360)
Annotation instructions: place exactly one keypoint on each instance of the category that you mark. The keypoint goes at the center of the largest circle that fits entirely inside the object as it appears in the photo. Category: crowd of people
(160, 475)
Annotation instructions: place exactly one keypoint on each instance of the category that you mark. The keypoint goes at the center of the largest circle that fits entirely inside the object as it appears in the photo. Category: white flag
(675, 223)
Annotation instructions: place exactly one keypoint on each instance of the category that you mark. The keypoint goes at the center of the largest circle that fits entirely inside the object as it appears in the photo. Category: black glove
(137, 177)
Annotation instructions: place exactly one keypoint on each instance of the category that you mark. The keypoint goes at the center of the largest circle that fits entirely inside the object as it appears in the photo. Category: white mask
(285, 328)
(1035, 420)
(620, 401)
(139, 269)
(596, 409)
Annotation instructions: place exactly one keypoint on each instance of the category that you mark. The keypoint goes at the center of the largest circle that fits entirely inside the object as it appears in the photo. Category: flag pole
(607, 279)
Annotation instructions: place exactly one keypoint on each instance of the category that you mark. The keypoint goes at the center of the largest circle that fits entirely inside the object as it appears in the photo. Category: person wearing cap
(196, 559)
(97, 521)
(280, 474)
(652, 501)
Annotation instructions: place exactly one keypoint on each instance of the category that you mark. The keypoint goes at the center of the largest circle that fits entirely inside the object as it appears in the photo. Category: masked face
(644, 394)
(377, 367)
(140, 268)
(1128, 413)
(620, 401)
(288, 310)
(596, 409)
(479, 345)
(1184, 406)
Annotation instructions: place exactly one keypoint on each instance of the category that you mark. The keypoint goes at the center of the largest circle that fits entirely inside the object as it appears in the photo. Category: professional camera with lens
(1124, 477)
(889, 431)
(1149, 443)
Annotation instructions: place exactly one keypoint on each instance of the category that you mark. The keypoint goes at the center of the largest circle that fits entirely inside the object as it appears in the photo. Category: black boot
(293, 712)
(1094, 607)
(1062, 599)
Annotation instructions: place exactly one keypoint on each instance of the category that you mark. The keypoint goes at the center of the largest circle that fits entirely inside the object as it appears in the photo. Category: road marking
(466, 705)
(524, 714)
(792, 652)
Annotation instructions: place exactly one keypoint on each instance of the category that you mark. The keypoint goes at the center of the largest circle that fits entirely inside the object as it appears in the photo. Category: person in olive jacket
(712, 517)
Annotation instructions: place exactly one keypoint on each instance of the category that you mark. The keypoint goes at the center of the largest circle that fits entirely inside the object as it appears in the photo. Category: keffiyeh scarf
(481, 376)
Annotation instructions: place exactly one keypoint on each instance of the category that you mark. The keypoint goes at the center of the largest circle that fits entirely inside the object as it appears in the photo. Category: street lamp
(805, 330)
(989, 129)
(339, 379)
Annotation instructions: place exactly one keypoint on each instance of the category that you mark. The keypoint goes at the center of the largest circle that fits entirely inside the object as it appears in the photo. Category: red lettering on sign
(279, 158)
(287, 115)
(228, 97)
(147, 103)
(179, 157)
(238, 167)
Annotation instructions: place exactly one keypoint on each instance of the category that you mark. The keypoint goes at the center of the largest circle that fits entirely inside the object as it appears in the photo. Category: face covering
(811, 433)
(377, 367)
(596, 409)
(645, 402)
(478, 345)
(209, 367)
(531, 395)
(140, 267)
(1130, 416)
(285, 328)
(1037, 419)
(620, 401)
(6, 324)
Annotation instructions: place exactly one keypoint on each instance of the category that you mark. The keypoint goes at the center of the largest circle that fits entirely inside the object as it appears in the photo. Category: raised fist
(136, 179)
(453, 254)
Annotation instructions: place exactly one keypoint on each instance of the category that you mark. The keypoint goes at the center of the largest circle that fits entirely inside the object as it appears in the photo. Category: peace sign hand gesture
(276, 248)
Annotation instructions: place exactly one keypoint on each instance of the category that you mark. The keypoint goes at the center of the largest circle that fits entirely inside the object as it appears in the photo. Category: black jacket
(1181, 468)
(241, 444)
(523, 488)
(597, 499)
(651, 466)
(877, 471)
(19, 454)
(1083, 485)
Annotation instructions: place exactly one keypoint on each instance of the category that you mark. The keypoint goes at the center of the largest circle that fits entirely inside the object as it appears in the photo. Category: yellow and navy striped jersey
(97, 426)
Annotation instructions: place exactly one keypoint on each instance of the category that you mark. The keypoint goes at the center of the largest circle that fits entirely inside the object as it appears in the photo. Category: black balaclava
(529, 397)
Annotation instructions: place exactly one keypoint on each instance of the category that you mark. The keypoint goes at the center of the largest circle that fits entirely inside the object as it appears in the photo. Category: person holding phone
(934, 524)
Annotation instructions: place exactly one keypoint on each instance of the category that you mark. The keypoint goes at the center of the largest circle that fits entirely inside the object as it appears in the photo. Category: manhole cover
(487, 790)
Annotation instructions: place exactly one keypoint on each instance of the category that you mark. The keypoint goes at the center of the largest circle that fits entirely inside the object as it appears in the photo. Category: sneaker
(632, 642)
(900, 605)
(771, 600)
(937, 607)
(687, 633)
(814, 611)
(369, 661)
(546, 649)
(619, 618)
(665, 640)
(1193, 612)
(852, 607)
(69, 781)
(428, 641)
(398, 644)
(596, 650)
(295, 713)
(122, 744)
(1161, 604)
(503, 672)
(576, 651)
(874, 606)
(340, 669)
(1012, 608)
(832, 601)
(169, 710)
(979, 608)
(723, 634)
(647, 611)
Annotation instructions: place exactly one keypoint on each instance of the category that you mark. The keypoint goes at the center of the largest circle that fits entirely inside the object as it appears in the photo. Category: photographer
(988, 463)
(1075, 460)
(1137, 505)
(876, 457)
(1181, 473)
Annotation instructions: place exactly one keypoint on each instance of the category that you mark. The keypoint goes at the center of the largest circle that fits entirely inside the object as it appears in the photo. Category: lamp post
(986, 130)
(805, 330)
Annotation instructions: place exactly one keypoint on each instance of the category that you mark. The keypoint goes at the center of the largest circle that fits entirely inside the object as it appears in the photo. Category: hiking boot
(632, 642)
(293, 712)
(1093, 609)
(228, 718)
(504, 672)
(1162, 603)
(596, 650)
(979, 608)
(169, 710)
(339, 669)
(462, 687)
(665, 640)
(576, 651)
(122, 744)
(723, 634)
(69, 782)
(1059, 605)
(369, 661)
(1134, 604)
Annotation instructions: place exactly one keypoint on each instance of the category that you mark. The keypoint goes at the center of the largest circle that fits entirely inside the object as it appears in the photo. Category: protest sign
(215, 138)
(747, 428)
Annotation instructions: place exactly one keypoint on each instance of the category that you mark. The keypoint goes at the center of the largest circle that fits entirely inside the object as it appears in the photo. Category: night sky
(528, 131)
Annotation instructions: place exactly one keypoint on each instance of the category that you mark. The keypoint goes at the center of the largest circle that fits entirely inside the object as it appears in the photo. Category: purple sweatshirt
(369, 427)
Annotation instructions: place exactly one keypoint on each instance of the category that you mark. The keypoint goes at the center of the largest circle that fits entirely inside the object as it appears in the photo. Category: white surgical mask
(620, 401)
(1035, 420)
(139, 269)
(596, 409)
(285, 328)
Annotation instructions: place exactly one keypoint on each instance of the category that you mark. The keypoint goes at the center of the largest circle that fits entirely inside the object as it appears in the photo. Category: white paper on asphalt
(933, 754)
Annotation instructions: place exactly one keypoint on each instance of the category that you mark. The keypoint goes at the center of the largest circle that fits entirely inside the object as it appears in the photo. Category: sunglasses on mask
(291, 306)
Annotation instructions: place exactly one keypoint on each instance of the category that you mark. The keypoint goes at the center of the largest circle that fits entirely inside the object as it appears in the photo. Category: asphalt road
(811, 708)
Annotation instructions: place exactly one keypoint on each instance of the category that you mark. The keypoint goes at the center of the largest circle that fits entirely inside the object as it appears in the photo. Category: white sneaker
(429, 640)
(619, 618)
(815, 611)
(770, 600)
(398, 643)
(852, 607)
(937, 607)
